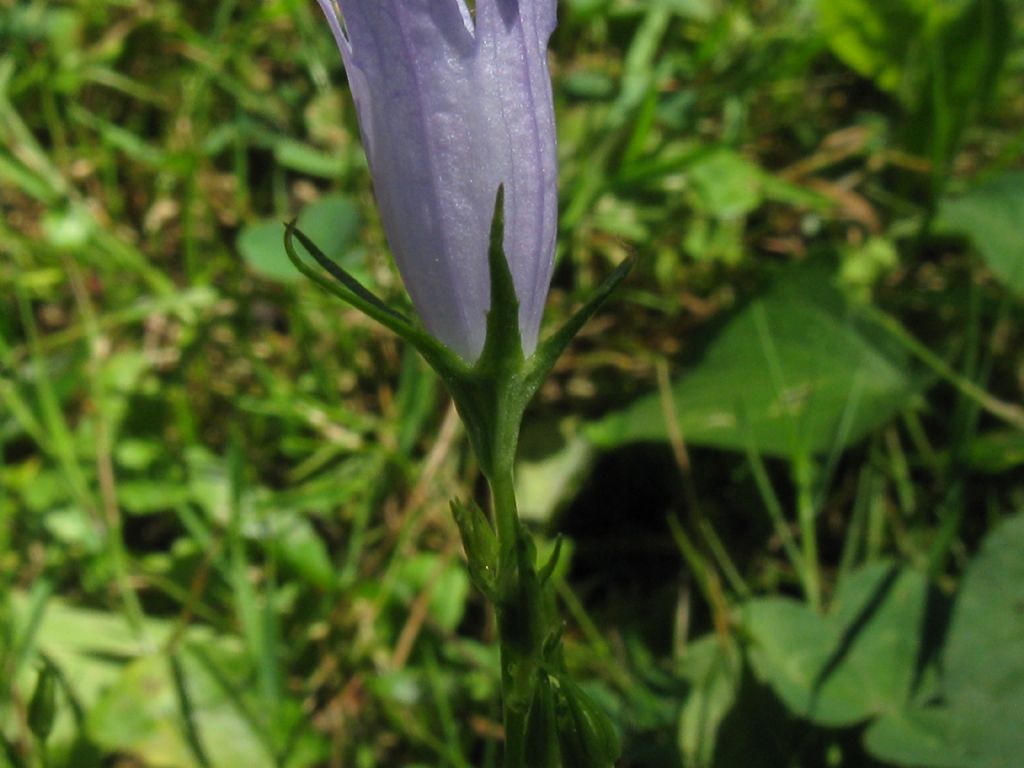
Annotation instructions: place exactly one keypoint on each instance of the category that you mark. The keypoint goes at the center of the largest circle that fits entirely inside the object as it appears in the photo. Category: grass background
(224, 526)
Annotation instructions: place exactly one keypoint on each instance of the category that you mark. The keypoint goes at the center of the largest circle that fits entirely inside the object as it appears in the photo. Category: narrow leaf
(337, 272)
(548, 570)
(348, 289)
(551, 349)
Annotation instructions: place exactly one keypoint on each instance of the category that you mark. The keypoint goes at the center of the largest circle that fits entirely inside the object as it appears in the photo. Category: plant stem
(804, 471)
(519, 616)
(506, 515)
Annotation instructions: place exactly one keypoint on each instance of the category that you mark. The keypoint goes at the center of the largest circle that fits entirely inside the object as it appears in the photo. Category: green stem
(804, 471)
(506, 515)
(491, 395)
(519, 616)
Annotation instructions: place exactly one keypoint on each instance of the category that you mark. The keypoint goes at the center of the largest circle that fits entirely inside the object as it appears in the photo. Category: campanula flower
(453, 103)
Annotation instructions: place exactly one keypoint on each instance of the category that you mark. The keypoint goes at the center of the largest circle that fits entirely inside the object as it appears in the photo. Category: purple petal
(448, 112)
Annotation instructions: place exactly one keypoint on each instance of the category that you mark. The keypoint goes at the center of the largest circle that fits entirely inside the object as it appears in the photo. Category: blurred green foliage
(786, 461)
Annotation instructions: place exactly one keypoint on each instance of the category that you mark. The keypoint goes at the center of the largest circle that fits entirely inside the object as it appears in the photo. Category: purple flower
(451, 105)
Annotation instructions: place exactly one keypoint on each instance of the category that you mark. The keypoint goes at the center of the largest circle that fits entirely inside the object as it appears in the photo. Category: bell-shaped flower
(453, 103)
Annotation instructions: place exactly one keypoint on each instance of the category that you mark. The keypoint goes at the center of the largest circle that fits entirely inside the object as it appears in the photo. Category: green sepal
(492, 393)
(503, 347)
(586, 734)
(551, 651)
(492, 396)
(352, 292)
(541, 742)
(550, 349)
(480, 544)
(548, 569)
(42, 707)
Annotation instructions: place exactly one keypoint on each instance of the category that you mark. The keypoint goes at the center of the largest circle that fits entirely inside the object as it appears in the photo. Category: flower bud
(480, 543)
(587, 736)
(453, 104)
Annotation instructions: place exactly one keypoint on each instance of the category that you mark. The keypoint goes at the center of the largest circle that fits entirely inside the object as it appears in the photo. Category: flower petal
(449, 111)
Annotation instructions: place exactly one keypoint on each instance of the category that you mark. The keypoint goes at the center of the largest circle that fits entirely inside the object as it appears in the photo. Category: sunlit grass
(224, 498)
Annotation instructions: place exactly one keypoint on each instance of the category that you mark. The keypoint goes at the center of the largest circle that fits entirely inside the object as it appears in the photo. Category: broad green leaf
(138, 715)
(89, 647)
(990, 215)
(858, 661)
(795, 371)
(917, 737)
(140, 701)
(331, 222)
(977, 725)
(192, 709)
(984, 657)
(82, 638)
(727, 184)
